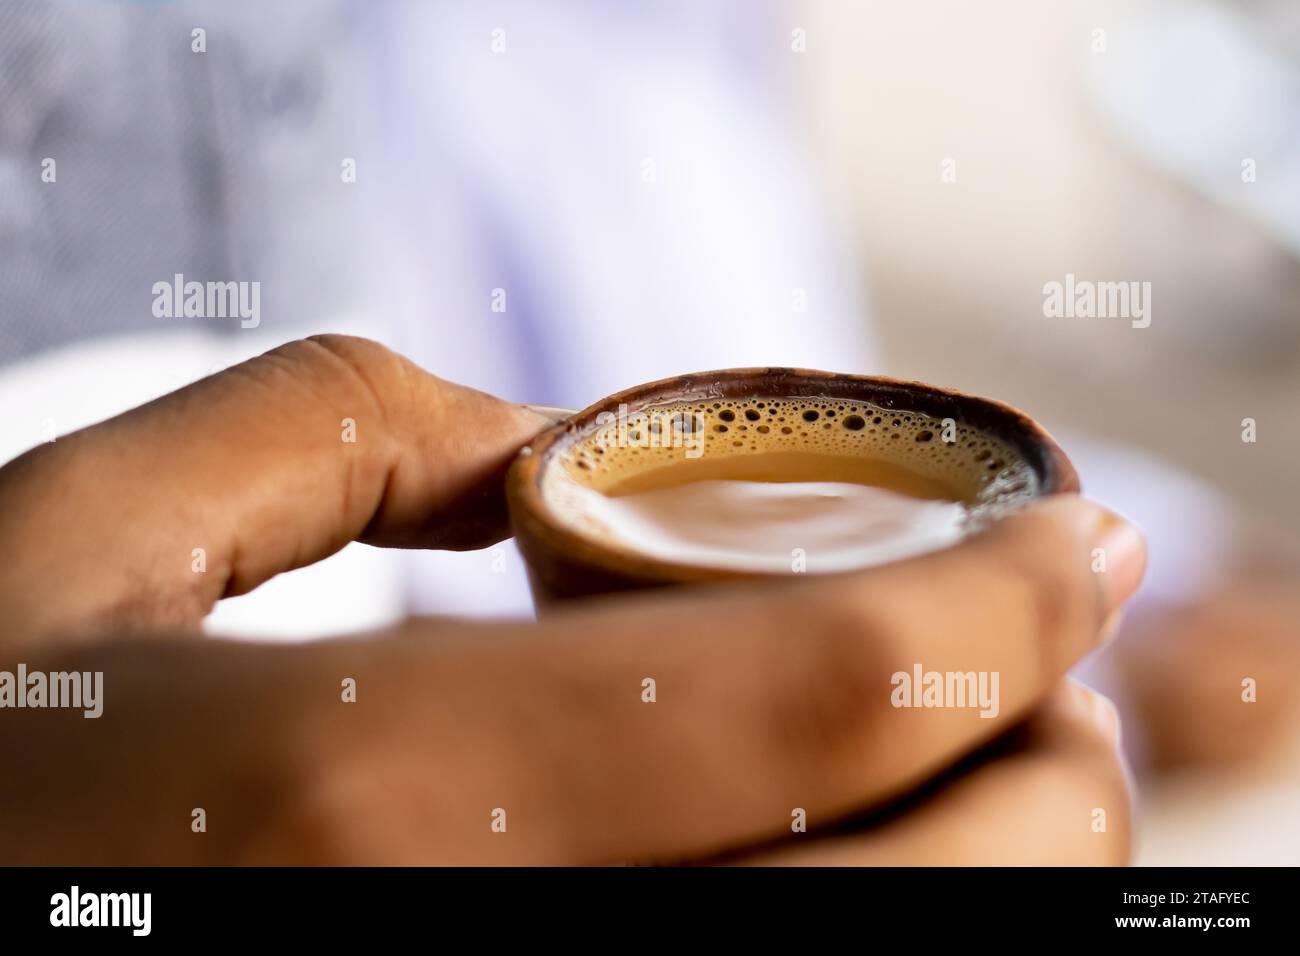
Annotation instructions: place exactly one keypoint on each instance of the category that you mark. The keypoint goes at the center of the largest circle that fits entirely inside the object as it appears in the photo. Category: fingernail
(552, 413)
(1119, 556)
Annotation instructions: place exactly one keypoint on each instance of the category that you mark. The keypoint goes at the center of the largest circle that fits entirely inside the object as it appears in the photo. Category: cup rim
(533, 520)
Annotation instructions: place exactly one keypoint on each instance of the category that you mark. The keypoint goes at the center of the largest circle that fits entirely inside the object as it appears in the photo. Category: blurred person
(523, 228)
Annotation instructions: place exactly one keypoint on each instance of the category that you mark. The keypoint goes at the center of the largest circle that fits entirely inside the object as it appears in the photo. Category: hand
(769, 697)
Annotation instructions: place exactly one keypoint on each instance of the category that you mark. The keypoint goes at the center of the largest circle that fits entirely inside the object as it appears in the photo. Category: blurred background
(556, 201)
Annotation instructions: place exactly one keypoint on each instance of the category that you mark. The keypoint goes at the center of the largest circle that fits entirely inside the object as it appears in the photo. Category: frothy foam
(770, 483)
